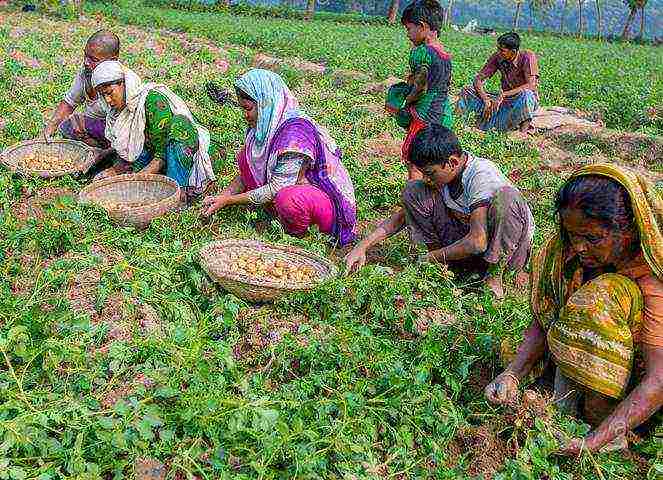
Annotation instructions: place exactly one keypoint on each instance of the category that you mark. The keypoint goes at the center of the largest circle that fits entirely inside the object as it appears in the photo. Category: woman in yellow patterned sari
(597, 302)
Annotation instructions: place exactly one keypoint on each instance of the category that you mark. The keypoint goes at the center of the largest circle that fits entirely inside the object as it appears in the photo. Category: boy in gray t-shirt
(464, 211)
(88, 126)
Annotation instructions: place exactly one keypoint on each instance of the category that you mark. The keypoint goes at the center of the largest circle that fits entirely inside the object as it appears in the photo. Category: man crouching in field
(514, 106)
(465, 212)
(90, 125)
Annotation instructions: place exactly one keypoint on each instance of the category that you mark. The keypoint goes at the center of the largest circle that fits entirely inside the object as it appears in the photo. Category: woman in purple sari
(288, 163)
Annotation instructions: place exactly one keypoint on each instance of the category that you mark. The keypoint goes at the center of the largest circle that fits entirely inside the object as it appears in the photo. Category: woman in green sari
(151, 130)
(597, 302)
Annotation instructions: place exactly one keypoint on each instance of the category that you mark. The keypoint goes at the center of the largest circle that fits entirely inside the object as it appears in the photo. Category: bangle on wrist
(508, 373)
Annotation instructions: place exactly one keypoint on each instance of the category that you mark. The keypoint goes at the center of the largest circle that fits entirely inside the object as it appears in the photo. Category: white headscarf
(125, 130)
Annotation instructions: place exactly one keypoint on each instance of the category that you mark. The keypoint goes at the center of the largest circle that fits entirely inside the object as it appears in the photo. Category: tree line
(541, 7)
(538, 7)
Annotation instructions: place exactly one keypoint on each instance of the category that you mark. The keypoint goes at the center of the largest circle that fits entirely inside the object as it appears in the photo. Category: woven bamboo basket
(217, 257)
(133, 199)
(55, 158)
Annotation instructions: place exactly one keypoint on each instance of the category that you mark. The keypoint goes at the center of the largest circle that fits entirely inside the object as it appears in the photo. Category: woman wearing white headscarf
(152, 130)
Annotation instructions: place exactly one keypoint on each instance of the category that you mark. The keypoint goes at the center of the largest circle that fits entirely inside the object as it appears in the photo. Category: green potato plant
(116, 346)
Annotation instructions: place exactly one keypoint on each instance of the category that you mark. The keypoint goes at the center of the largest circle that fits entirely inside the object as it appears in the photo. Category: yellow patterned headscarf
(647, 206)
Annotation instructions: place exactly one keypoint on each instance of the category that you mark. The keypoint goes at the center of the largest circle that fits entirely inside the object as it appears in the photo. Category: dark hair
(599, 198)
(433, 146)
(105, 42)
(509, 40)
(243, 95)
(423, 11)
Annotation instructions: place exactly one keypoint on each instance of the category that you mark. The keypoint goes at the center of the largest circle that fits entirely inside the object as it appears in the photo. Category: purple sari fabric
(83, 128)
(325, 171)
(282, 128)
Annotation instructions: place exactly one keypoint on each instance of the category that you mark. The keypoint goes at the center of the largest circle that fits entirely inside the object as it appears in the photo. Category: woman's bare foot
(494, 284)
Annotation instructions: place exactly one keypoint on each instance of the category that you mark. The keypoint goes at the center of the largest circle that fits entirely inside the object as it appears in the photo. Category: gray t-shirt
(478, 184)
(77, 95)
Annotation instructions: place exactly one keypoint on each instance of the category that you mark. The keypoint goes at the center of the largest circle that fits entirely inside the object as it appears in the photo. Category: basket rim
(205, 251)
(85, 196)
(80, 169)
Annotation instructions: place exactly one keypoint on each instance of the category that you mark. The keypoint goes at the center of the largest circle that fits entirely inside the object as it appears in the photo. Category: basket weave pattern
(215, 258)
(133, 199)
(80, 154)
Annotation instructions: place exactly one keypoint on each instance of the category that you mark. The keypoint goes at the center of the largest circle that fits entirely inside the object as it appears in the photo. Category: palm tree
(393, 11)
(310, 10)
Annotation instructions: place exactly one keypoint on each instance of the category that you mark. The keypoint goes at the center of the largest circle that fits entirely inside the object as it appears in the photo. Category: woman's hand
(572, 448)
(503, 389)
(214, 202)
(355, 259)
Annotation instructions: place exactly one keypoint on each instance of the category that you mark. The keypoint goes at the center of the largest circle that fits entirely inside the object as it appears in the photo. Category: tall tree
(448, 15)
(581, 20)
(642, 19)
(540, 9)
(634, 6)
(599, 20)
(393, 11)
(563, 21)
(310, 10)
(516, 17)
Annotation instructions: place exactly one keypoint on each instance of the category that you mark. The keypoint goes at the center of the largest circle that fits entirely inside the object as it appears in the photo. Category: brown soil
(383, 146)
(632, 149)
(125, 390)
(82, 292)
(375, 88)
(263, 330)
(480, 376)
(150, 469)
(486, 451)
(348, 77)
(24, 59)
(148, 320)
(432, 316)
(31, 204)
(373, 108)
(484, 448)
(273, 63)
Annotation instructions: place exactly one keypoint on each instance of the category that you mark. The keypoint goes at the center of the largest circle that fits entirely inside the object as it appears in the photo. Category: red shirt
(515, 73)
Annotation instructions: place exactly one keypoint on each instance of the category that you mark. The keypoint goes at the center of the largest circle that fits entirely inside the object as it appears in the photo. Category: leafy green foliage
(114, 345)
(619, 81)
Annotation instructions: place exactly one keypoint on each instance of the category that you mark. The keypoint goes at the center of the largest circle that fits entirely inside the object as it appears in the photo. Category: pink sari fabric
(298, 207)
(245, 171)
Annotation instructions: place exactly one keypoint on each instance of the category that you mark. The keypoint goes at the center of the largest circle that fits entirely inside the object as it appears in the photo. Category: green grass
(619, 81)
(339, 383)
